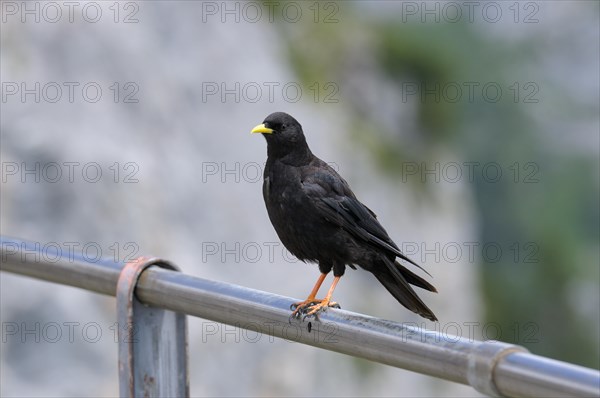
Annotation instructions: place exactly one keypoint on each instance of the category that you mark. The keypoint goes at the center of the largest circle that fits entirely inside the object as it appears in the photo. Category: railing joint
(482, 363)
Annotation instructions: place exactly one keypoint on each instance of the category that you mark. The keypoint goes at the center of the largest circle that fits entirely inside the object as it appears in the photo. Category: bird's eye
(283, 126)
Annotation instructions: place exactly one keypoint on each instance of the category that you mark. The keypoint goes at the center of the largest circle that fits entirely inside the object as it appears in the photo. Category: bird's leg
(298, 307)
(321, 305)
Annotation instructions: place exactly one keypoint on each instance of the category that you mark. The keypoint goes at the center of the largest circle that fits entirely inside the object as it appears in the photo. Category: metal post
(152, 341)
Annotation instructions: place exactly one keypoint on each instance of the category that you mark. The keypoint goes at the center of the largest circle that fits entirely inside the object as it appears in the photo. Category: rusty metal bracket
(152, 341)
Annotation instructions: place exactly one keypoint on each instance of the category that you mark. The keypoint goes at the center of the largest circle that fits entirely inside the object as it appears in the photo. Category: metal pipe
(533, 375)
(51, 263)
(492, 368)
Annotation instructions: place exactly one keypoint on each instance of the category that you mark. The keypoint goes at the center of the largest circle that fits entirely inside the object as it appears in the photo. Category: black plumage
(319, 219)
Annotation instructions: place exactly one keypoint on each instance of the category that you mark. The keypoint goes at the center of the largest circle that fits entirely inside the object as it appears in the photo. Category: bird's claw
(309, 309)
(303, 306)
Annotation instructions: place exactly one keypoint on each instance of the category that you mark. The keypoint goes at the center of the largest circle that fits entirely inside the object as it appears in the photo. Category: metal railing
(491, 367)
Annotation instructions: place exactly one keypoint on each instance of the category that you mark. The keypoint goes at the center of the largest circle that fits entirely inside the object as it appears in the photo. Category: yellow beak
(261, 128)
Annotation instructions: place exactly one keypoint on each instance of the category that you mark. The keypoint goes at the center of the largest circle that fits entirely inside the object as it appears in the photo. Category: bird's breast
(300, 227)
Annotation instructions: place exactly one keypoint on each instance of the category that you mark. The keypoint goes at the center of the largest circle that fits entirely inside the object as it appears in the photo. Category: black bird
(318, 219)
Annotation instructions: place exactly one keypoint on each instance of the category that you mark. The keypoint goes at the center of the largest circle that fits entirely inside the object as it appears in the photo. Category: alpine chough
(319, 219)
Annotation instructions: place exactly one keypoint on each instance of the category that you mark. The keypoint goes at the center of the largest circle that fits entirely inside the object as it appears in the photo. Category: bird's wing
(333, 198)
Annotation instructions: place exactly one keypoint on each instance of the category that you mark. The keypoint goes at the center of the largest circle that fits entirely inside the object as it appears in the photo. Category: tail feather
(405, 258)
(415, 279)
(395, 278)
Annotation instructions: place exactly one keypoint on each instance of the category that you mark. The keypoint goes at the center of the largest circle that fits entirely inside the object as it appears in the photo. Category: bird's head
(281, 130)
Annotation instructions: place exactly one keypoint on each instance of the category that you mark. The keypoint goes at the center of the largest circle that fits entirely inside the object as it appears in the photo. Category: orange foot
(311, 307)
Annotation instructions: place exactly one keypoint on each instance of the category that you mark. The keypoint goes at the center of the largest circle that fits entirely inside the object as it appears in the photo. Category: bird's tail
(397, 280)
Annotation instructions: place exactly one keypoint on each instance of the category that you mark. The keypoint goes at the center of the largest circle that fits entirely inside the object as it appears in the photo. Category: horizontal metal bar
(53, 264)
(532, 375)
(491, 367)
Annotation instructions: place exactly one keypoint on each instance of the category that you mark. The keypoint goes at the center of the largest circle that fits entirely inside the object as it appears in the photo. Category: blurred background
(470, 128)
